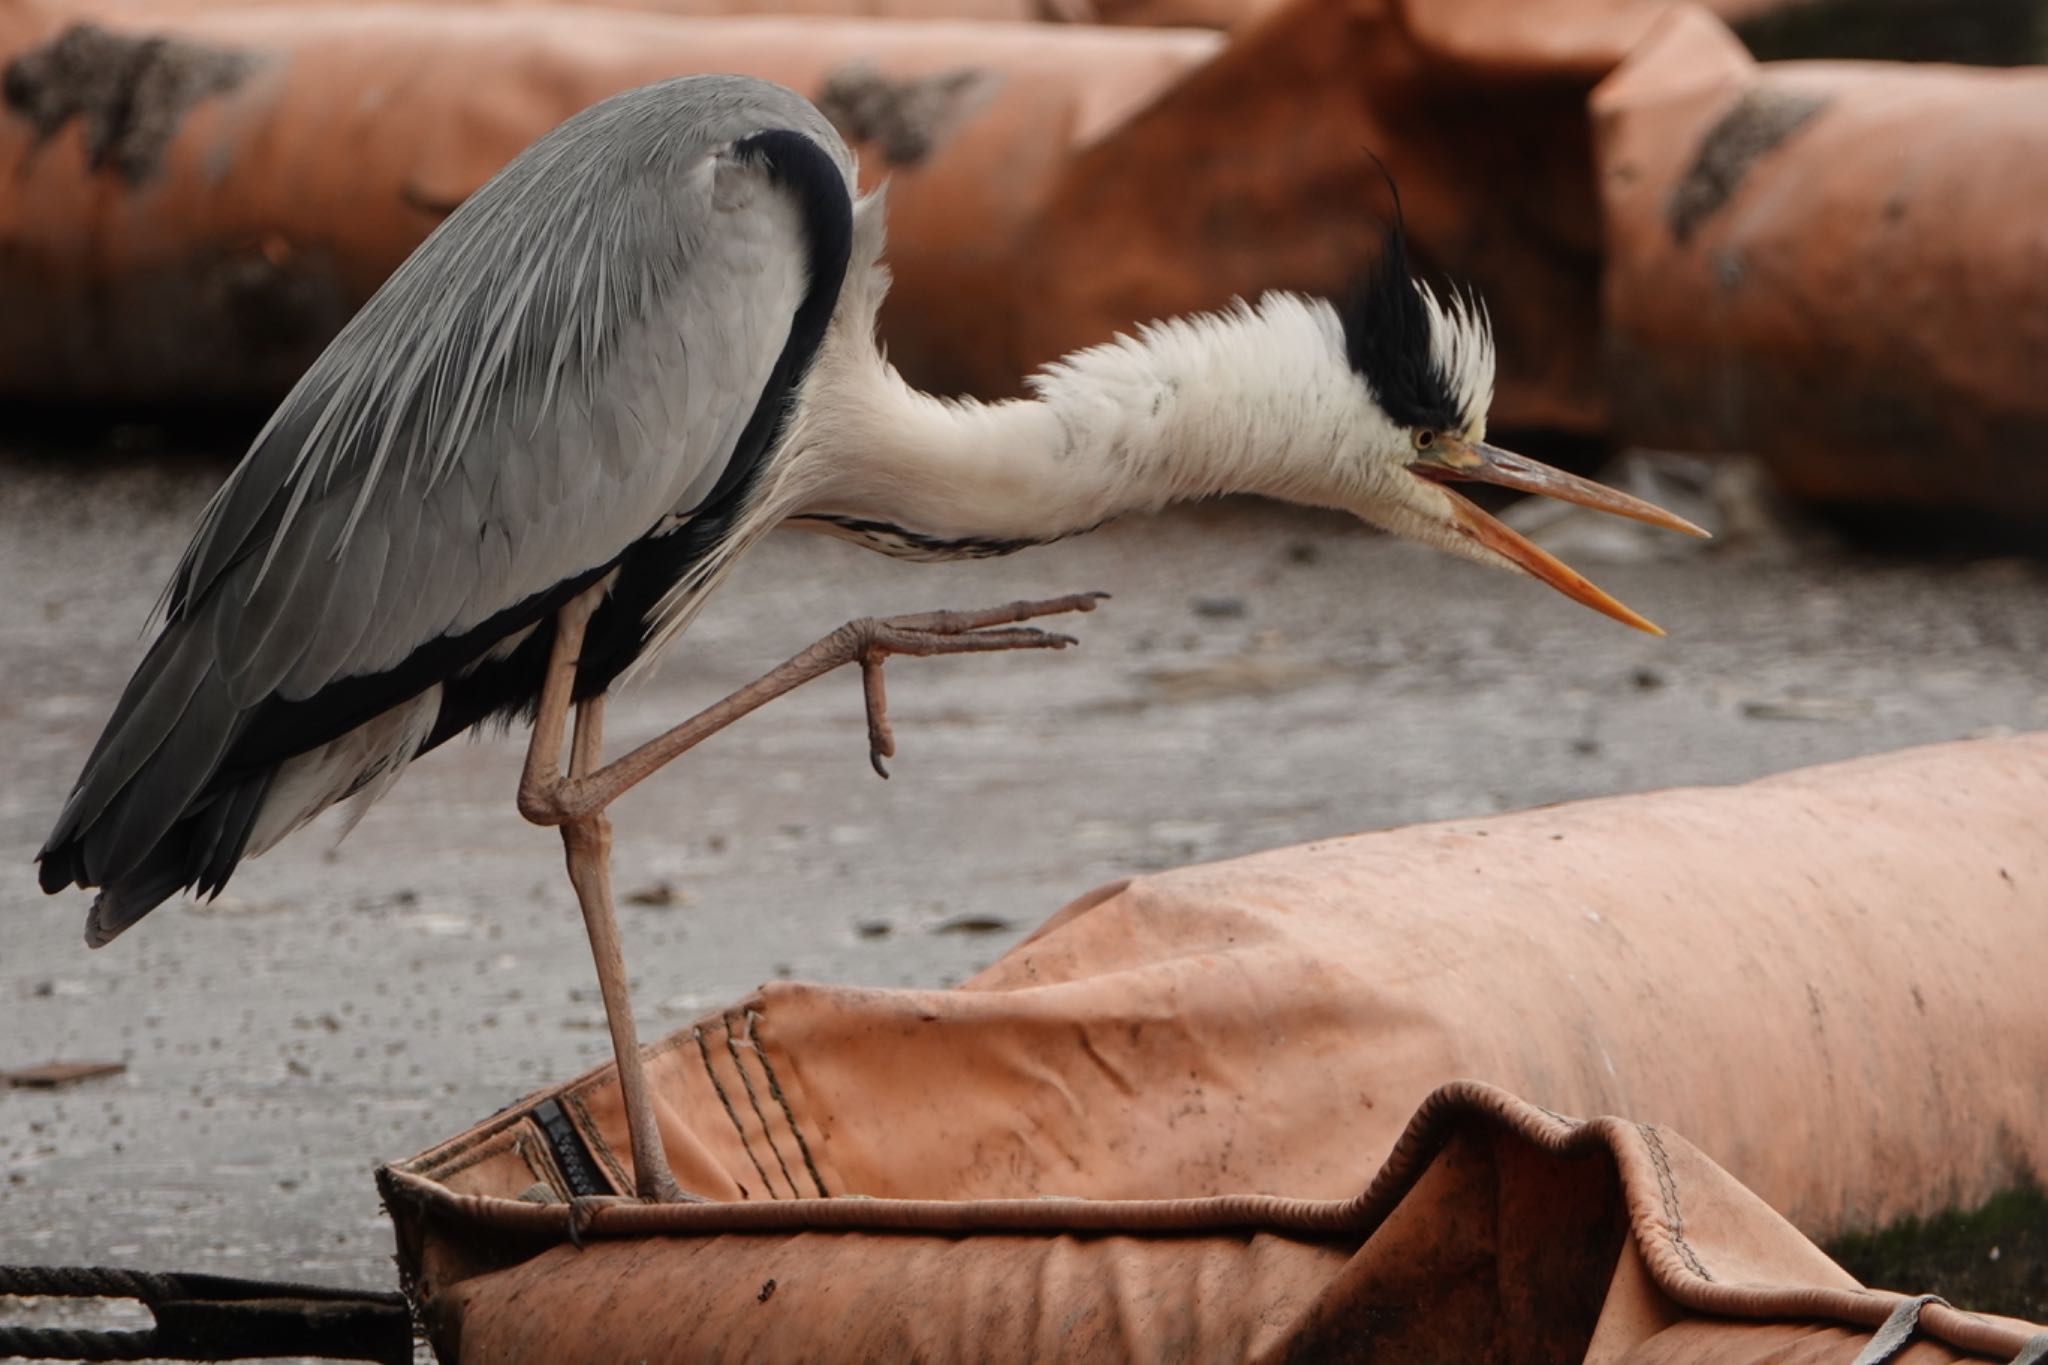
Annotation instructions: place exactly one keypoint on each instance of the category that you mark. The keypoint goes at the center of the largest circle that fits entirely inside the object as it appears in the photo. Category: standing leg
(588, 844)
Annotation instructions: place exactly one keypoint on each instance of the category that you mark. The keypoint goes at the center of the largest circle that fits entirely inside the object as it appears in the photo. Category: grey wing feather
(555, 370)
(580, 313)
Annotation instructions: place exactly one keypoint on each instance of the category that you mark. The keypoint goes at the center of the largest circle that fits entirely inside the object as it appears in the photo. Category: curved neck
(1225, 403)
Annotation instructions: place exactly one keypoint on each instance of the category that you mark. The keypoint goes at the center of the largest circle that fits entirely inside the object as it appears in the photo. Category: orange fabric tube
(1260, 1060)
(241, 217)
(1836, 265)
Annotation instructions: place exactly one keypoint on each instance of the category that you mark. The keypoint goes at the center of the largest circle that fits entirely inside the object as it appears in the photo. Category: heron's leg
(587, 841)
(587, 844)
(548, 800)
(544, 749)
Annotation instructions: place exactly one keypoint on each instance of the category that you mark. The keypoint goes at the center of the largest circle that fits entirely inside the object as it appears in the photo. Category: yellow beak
(1450, 459)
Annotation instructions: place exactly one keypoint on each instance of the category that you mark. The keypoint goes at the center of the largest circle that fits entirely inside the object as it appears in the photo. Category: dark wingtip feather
(199, 852)
(56, 868)
(100, 930)
(119, 906)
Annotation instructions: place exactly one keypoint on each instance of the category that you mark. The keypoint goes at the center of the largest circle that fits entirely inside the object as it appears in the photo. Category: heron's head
(1423, 363)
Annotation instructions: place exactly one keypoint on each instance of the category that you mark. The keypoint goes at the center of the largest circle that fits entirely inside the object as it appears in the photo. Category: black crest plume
(1387, 334)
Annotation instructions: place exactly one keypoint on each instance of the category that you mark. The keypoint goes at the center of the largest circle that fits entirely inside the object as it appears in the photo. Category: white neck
(1241, 401)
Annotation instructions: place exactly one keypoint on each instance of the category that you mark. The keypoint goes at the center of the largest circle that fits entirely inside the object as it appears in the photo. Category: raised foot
(947, 632)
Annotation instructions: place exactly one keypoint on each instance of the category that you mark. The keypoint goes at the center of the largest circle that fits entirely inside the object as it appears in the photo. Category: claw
(583, 1213)
(881, 742)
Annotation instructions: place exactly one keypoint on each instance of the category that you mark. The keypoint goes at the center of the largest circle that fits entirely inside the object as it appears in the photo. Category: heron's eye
(1424, 439)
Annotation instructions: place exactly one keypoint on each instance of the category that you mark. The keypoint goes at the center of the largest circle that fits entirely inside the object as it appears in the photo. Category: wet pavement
(1262, 677)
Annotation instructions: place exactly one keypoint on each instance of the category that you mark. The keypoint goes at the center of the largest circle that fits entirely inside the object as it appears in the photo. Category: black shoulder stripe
(649, 569)
(808, 173)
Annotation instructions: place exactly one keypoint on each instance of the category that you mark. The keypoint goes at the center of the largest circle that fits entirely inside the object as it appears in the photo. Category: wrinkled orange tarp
(1826, 981)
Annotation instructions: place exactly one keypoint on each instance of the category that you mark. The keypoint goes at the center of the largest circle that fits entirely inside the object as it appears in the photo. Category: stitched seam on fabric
(525, 1147)
(731, 1114)
(595, 1138)
(1667, 1186)
(449, 1152)
(669, 1044)
(767, 1134)
(540, 1159)
(775, 1089)
(475, 1157)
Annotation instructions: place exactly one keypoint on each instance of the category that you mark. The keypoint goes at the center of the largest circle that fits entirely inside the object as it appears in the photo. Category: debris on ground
(1807, 708)
(51, 1075)
(973, 924)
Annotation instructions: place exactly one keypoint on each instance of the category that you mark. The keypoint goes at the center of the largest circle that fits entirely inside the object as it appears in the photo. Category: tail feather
(194, 773)
(199, 850)
(177, 822)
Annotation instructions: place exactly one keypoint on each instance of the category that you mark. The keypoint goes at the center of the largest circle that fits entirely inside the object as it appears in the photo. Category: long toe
(956, 622)
(926, 642)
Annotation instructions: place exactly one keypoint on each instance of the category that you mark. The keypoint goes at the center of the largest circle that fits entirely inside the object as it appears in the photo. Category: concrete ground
(1262, 677)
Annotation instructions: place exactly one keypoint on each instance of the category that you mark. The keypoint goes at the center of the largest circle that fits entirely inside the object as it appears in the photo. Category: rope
(75, 1343)
(78, 1282)
(208, 1317)
(86, 1282)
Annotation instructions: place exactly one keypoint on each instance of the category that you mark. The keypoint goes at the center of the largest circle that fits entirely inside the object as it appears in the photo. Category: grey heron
(647, 341)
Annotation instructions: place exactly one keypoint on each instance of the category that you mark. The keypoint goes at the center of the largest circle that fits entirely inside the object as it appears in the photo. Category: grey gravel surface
(1262, 677)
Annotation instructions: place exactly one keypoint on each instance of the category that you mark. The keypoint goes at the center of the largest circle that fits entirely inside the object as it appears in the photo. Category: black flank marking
(895, 540)
(279, 729)
(1386, 337)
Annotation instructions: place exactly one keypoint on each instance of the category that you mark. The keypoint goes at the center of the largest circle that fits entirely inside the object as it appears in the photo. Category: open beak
(1453, 460)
